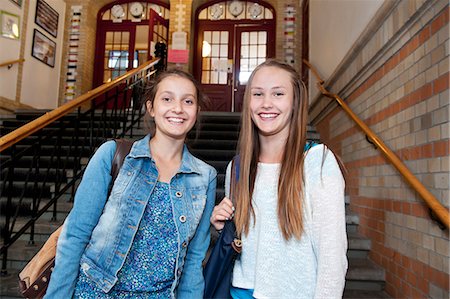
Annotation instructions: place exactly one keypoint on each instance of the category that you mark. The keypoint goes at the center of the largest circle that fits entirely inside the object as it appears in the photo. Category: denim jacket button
(179, 272)
(178, 194)
(183, 218)
(184, 244)
(128, 173)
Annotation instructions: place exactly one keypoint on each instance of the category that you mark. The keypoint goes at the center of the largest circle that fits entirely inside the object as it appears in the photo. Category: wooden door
(231, 39)
(252, 48)
(114, 53)
(215, 68)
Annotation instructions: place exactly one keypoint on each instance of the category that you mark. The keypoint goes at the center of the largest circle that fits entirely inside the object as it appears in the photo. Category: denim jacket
(98, 233)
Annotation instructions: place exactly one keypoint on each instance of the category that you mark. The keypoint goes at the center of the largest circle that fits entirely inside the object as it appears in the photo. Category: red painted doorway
(230, 42)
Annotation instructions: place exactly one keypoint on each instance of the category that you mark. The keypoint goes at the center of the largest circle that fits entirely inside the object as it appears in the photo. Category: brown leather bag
(34, 278)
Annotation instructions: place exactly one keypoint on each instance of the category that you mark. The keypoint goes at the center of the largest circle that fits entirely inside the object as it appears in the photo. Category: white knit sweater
(312, 267)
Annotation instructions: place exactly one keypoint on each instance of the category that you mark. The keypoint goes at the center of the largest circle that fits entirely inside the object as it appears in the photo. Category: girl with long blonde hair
(289, 200)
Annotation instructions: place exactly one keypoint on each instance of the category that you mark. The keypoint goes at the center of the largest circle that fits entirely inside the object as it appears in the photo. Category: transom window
(235, 10)
(125, 12)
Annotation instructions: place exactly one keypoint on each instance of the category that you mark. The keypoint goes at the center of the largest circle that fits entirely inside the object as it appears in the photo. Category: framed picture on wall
(46, 17)
(9, 25)
(18, 2)
(43, 48)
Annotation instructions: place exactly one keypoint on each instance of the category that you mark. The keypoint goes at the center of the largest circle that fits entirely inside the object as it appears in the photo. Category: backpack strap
(123, 148)
(309, 145)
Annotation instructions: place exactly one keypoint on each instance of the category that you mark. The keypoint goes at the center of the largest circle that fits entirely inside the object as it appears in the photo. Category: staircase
(215, 142)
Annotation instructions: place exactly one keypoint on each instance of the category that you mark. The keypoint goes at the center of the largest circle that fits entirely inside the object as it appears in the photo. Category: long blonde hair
(290, 183)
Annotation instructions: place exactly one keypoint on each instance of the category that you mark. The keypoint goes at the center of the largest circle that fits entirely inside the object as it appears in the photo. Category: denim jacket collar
(141, 149)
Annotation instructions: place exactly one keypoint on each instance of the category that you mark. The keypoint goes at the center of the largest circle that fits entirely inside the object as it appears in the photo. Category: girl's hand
(222, 212)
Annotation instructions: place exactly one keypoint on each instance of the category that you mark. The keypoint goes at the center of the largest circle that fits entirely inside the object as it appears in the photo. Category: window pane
(206, 63)
(224, 37)
(205, 77)
(117, 36)
(215, 64)
(202, 15)
(243, 77)
(224, 51)
(268, 13)
(215, 50)
(125, 37)
(244, 65)
(214, 77)
(244, 51)
(216, 37)
(253, 51)
(262, 37)
(262, 51)
(244, 38)
(207, 36)
(223, 78)
(253, 38)
(206, 49)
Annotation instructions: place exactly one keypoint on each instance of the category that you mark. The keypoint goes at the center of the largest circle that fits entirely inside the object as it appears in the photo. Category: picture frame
(43, 48)
(9, 25)
(46, 17)
(17, 2)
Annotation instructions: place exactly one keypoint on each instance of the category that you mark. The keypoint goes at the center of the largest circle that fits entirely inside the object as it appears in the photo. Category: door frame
(99, 65)
(108, 25)
(270, 24)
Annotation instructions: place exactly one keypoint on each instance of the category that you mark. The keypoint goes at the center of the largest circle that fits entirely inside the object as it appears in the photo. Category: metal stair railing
(436, 208)
(43, 159)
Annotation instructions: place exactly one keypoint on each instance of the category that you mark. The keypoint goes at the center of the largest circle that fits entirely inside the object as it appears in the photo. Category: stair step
(212, 144)
(362, 274)
(32, 175)
(30, 189)
(358, 246)
(352, 221)
(44, 162)
(65, 150)
(9, 285)
(363, 294)
(218, 155)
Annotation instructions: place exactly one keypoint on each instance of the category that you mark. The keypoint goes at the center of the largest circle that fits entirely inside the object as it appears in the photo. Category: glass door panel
(214, 70)
(253, 47)
(215, 46)
(253, 52)
(117, 55)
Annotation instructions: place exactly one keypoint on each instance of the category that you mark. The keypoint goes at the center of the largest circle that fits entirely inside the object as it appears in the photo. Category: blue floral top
(149, 268)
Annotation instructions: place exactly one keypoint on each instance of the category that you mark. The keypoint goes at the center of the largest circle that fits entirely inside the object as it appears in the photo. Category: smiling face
(174, 107)
(271, 101)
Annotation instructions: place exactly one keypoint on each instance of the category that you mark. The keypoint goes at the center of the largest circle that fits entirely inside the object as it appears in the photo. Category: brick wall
(398, 84)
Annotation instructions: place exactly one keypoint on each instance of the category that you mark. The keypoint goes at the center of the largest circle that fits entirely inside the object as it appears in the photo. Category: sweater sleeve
(325, 187)
(227, 180)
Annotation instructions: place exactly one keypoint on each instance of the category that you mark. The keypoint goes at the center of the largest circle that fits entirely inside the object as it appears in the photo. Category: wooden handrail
(49, 117)
(438, 209)
(11, 62)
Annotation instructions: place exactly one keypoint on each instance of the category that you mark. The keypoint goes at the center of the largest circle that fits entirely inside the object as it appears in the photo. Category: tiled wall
(397, 82)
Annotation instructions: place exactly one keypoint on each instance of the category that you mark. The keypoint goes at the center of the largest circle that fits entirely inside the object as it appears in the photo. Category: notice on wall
(178, 56)
(179, 40)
